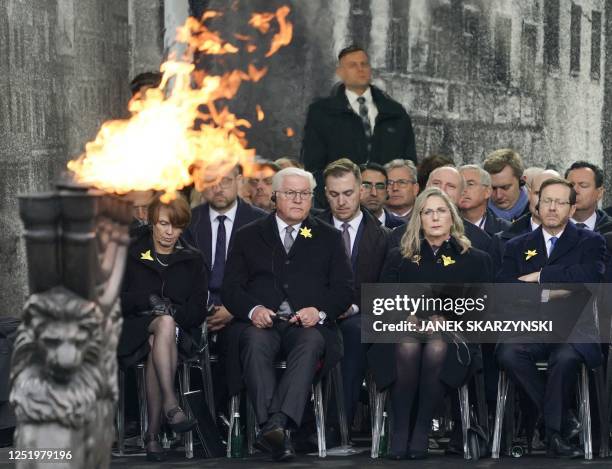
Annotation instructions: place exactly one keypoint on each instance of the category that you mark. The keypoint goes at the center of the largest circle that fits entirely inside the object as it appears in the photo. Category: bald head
(449, 180)
(534, 190)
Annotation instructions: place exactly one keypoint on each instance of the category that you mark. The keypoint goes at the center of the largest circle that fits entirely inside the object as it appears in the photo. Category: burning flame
(159, 147)
(289, 132)
(260, 113)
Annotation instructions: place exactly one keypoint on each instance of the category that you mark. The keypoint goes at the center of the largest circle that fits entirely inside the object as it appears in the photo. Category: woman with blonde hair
(434, 249)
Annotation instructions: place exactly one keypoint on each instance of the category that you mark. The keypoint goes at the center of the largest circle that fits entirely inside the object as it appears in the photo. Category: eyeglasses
(306, 195)
(254, 181)
(224, 183)
(472, 184)
(442, 211)
(379, 186)
(400, 182)
(548, 202)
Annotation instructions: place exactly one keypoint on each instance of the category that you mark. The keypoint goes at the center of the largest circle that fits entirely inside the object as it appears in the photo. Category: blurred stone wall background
(475, 75)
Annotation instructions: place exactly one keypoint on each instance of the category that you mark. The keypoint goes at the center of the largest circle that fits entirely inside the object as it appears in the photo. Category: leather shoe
(271, 438)
(286, 451)
(559, 448)
(571, 427)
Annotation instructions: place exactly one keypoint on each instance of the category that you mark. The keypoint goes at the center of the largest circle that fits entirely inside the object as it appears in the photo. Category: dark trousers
(353, 363)
(552, 394)
(259, 350)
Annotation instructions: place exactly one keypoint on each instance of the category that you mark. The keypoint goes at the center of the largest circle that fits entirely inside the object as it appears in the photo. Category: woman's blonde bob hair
(410, 244)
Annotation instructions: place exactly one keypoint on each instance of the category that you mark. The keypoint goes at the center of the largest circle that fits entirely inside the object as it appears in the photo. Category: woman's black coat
(473, 266)
(184, 282)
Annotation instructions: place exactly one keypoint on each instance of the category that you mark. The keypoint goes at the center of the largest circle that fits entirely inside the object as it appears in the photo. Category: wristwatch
(322, 317)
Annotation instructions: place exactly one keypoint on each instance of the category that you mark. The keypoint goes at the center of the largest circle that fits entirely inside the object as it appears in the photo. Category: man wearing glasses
(556, 252)
(402, 187)
(287, 279)
(373, 195)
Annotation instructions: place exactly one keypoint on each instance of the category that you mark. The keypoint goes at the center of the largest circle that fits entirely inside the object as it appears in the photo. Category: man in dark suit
(365, 242)
(509, 196)
(474, 200)
(359, 122)
(402, 188)
(287, 280)
(556, 252)
(212, 229)
(588, 181)
(374, 194)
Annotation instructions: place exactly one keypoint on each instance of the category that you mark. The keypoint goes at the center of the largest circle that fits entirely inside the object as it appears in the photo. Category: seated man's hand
(262, 317)
(308, 317)
(219, 319)
(533, 277)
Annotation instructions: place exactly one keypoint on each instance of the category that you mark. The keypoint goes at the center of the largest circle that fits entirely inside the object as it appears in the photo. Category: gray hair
(400, 163)
(530, 174)
(278, 178)
(448, 166)
(485, 177)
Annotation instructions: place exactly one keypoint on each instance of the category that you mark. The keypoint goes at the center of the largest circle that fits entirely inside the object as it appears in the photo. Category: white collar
(354, 223)
(589, 222)
(547, 236)
(230, 214)
(534, 225)
(383, 218)
(352, 96)
(282, 225)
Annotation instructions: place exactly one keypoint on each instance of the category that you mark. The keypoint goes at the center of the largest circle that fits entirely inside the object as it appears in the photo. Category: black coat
(494, 225)
(316, 272)
(333, 130)
(392, 221)
(473, 266)
(184, 282)
(371, 251)
(579, 257)
(199, 231)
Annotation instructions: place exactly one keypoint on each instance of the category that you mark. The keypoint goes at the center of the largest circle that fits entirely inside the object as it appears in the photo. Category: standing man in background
(360, 122)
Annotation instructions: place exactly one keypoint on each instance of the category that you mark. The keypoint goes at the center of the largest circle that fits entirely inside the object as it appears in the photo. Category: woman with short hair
(165, 286)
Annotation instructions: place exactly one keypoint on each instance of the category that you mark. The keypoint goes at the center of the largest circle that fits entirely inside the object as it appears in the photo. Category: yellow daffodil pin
(447, 260)
(305, 232)
(146, 256)
(530, 253)
(416, 259)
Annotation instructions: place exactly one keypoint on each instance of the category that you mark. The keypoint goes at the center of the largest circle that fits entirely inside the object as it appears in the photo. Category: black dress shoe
(271, 438)
(286, 452)
(396, 456)
(414, 455)
(154, 456)
(571, 427)
(559, 448)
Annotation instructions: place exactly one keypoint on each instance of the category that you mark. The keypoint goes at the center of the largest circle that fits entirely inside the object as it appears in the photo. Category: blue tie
(216, 276)
(553, 241)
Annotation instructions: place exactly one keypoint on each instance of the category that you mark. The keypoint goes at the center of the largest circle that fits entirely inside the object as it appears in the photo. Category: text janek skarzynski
(456, 307)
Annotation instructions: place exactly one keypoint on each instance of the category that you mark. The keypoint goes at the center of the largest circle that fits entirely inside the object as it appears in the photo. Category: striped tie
(365, 121)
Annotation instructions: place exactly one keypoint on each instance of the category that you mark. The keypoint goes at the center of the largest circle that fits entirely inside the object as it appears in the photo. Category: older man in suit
(556, 252)
(288, 278)
(365, 242)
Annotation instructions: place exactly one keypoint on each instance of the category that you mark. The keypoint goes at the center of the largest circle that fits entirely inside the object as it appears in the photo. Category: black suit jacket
(371, 251)
(199, 231)
(578, 257)
(316, 272)
(494, 225)
(392, 221)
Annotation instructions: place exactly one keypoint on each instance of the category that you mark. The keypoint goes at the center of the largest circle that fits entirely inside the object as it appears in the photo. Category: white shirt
(282, 226)
(547, 242)
(353, 227)
(589, 222)
(369, 102)
(229, 226)
(383, 218)
(534, 225)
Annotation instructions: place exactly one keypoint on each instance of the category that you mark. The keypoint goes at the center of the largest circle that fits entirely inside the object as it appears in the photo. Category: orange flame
(289, 132)
(260, 113)
(159, 147)
(285, 33)
(261, 21)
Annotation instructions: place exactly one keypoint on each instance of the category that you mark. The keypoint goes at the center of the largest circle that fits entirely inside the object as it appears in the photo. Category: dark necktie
(581, 225)
(288, 241)
(216, 276)
(553, 241)
(365, 120)
(346, 238)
